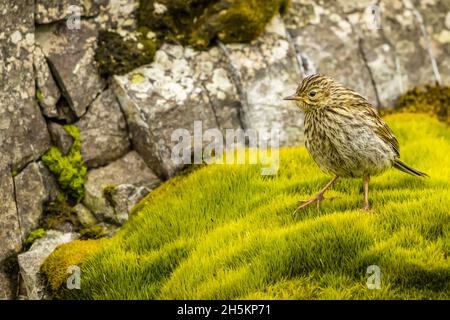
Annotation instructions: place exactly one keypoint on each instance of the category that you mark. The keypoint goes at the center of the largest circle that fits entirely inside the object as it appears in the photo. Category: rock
(104, 135)
(34, 187)
(436, 20)
(119, 15)
(70, 54)
(31, 261)
(48, 11)
(48, 94)
(123, 198)
(171, 93)
(327, 43)
(60, 137)
(100, 183)
(85, 216)
(23, 134)
(9, 229)
(267, 70)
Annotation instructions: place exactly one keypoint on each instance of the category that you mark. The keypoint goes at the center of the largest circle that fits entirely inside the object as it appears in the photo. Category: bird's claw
(305, 203)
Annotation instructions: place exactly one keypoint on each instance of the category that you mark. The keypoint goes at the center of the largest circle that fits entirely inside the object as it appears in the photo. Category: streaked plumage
(344, 134)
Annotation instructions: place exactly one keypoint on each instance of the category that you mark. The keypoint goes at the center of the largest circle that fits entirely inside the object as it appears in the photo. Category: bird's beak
(293, 97)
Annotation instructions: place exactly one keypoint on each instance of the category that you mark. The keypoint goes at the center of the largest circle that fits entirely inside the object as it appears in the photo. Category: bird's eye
(312, 93)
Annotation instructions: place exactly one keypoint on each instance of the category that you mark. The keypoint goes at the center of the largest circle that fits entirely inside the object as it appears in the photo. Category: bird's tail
(407, 169)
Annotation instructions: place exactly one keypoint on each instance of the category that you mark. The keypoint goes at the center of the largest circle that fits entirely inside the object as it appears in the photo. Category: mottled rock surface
(171, 93)
(48, 11)
(70, 54)
(117, 14)
(31, 261)
(103, 130)
(130, 169)
(267, 71)
(34, 187)
(23, 134)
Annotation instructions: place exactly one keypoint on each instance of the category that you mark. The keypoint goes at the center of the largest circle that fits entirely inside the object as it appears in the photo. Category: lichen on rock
(199, 22)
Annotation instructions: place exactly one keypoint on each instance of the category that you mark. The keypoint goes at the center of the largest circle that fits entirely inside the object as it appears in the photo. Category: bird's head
(313, 93)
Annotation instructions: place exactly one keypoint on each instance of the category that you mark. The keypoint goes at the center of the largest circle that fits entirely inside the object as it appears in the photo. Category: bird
(345, 135)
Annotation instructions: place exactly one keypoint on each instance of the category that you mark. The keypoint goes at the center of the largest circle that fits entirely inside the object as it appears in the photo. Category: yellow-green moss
(199, 22)
(434, 100)
(115, 55)
(70, 170)
(69, 254)
(34, 235)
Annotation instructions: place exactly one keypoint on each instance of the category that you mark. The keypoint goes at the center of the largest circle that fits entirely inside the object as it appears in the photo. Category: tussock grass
(227, 232)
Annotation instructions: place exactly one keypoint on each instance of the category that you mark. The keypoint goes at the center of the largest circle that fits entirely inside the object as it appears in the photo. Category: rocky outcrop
(103, 187)
(103, 130)
(70, 54)
(31, 261)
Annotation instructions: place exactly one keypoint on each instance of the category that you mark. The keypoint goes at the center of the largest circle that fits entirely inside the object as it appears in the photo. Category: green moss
(34, 235)
(199, 22)
(94, 232)
(70, 254)
(115, 55)
(226, 232)
(434, 100)
(70, 170)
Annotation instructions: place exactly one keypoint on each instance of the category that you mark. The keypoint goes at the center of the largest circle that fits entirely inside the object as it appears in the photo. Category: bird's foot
(366, 207)
(305, 203)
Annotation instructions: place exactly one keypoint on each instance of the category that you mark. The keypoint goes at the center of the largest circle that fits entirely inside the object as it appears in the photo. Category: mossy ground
(227, 232)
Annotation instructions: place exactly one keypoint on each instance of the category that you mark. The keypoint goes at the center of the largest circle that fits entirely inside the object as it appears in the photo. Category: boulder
(103, 130)
(181, 86)
(23, 134)
(266, 71)
(48, 11)
(34, 186)
(31, 261)
(48, 94)
(60, 137)
(70, 54)
(102, 184)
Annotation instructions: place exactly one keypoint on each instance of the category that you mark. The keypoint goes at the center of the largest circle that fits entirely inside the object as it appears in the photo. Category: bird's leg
(319, 197)
(366, 180)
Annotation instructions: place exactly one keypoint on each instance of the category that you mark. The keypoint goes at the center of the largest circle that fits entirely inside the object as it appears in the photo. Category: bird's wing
(381, 128)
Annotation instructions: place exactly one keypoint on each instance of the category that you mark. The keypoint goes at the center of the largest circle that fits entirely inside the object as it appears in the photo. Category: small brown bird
(344, 134)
